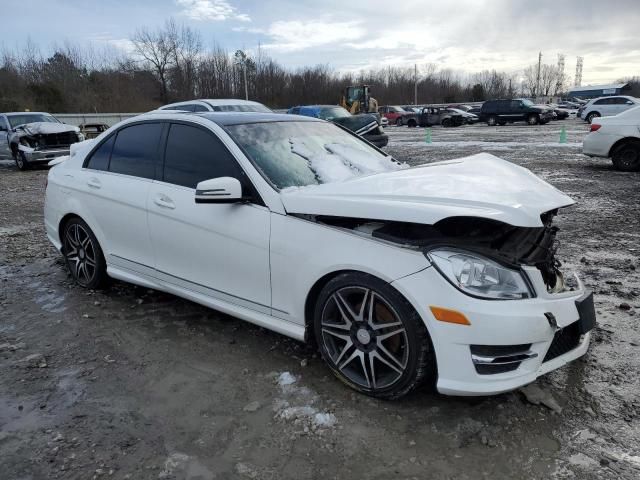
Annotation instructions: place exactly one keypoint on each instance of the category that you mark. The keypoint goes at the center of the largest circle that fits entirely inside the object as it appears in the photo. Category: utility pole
(538, 75)
(415, 84)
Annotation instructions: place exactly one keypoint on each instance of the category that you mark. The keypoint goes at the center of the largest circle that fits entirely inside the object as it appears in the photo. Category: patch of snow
(341, 162)
(286, 378)
(58, 160)
(324, 419)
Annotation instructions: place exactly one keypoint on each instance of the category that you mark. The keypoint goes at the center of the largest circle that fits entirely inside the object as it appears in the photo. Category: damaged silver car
(33, 138)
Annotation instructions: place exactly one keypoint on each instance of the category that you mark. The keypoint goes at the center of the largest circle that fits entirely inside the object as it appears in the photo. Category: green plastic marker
(427, 136)
(563, 135)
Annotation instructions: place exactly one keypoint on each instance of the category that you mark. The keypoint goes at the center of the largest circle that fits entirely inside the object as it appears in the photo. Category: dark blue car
(366, 125)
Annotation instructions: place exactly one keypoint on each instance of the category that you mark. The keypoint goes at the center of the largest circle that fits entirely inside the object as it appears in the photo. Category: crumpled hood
(481, 185)
(45, 128)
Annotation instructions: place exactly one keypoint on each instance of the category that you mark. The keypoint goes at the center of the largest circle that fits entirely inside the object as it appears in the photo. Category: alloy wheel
(80, 253)
(364, 337)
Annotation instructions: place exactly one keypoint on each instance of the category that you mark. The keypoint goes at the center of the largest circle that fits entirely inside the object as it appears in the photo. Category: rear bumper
(493, 323)
(598, 144)
(379, 141)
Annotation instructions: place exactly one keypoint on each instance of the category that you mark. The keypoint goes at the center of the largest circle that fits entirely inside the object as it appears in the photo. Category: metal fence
(79, 118)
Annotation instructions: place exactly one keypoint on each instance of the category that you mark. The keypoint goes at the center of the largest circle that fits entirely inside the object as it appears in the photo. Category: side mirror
(219, 190)
(629, 102)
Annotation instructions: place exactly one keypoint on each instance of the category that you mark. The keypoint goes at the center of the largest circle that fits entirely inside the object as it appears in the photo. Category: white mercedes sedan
(443, 274)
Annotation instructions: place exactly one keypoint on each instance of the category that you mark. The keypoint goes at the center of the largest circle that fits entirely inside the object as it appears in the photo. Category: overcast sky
(463, 35)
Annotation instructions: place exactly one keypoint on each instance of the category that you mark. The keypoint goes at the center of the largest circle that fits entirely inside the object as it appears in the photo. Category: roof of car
(25, 113)
(214, 102)
(239, 118)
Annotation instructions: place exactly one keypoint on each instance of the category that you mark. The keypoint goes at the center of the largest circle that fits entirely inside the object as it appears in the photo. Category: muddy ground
(132, 383)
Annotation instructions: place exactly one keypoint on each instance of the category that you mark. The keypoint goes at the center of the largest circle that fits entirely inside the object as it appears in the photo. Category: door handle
(94, 183)
(164, 201)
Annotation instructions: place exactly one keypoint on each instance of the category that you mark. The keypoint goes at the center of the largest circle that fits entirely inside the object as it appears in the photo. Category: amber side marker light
(450, 316)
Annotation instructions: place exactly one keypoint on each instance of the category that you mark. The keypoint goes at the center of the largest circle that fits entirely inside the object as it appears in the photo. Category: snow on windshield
(341, 162)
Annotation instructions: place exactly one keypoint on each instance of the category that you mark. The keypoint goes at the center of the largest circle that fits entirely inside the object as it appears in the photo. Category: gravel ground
(132, 383)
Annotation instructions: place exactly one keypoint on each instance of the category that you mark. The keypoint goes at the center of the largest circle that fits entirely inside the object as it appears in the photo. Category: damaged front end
(43, 141)
(508, 246)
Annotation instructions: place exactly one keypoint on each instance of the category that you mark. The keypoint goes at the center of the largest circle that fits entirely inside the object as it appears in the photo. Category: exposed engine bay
(509, 245)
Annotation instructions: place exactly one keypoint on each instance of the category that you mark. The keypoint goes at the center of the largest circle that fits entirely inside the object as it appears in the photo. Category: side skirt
(284, 327)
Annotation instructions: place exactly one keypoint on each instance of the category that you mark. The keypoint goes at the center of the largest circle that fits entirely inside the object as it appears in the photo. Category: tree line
(171, 64)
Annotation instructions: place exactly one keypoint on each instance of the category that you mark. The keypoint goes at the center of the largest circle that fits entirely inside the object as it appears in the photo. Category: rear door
(115, 182)
(218, 250)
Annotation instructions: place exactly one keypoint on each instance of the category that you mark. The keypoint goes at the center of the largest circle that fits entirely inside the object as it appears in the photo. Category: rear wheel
(492, 120)
(591, 116)
(83, 255)
(533, 119)
(502, 124)
(626, 157)
(412, 123)
(371, 337)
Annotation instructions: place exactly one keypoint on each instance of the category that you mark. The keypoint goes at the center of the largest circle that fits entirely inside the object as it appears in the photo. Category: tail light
(595, 127)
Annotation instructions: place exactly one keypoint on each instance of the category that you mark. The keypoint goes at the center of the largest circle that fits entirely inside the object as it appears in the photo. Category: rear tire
(626, 157)
(21, 161)
(591, 116)
(502, 124)
(371, 337)
(492, 120)
(83, 255)
(412, 123)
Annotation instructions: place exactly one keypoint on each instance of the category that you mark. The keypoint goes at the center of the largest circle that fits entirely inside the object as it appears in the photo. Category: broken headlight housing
(480, 277)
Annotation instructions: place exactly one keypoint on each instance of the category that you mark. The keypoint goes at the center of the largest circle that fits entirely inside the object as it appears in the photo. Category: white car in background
(617, 138)
(607, 107)
(217, 105)
(443, 273)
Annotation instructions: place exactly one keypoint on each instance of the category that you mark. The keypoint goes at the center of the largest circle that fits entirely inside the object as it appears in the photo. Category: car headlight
(479, 276)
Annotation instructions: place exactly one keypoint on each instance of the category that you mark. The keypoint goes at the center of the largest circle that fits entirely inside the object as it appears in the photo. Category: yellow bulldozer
(357, 99)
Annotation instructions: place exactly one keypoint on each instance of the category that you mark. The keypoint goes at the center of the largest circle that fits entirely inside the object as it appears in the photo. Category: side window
(516, 104)
(135, 150)
(200, 108)
(602, 101)
(99, 159)
(295, 110)
(194, 155)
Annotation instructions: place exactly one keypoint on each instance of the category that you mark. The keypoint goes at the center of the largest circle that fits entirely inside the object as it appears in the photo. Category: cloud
(215, 10)
(295, 35)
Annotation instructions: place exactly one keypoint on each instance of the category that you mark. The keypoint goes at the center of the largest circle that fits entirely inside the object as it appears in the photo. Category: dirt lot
(132, 383)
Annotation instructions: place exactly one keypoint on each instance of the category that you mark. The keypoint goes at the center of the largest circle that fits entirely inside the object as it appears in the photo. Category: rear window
(135, 150)
(99, 159)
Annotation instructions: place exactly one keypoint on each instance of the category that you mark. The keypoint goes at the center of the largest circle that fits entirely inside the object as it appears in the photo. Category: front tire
(447, 123)
(412, 123)
(83, 255)
(533, 119)
(626, 157)
(21, 161)
(399, 122)
(372, 338)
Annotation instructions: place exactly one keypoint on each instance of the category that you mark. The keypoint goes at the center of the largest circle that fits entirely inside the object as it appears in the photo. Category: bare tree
(157, 48)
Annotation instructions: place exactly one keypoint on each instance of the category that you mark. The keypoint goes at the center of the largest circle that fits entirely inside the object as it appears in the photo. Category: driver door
(218, 250)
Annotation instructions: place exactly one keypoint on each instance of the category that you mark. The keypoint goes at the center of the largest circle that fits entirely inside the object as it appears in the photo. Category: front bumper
(45, 155)
(493, 323)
